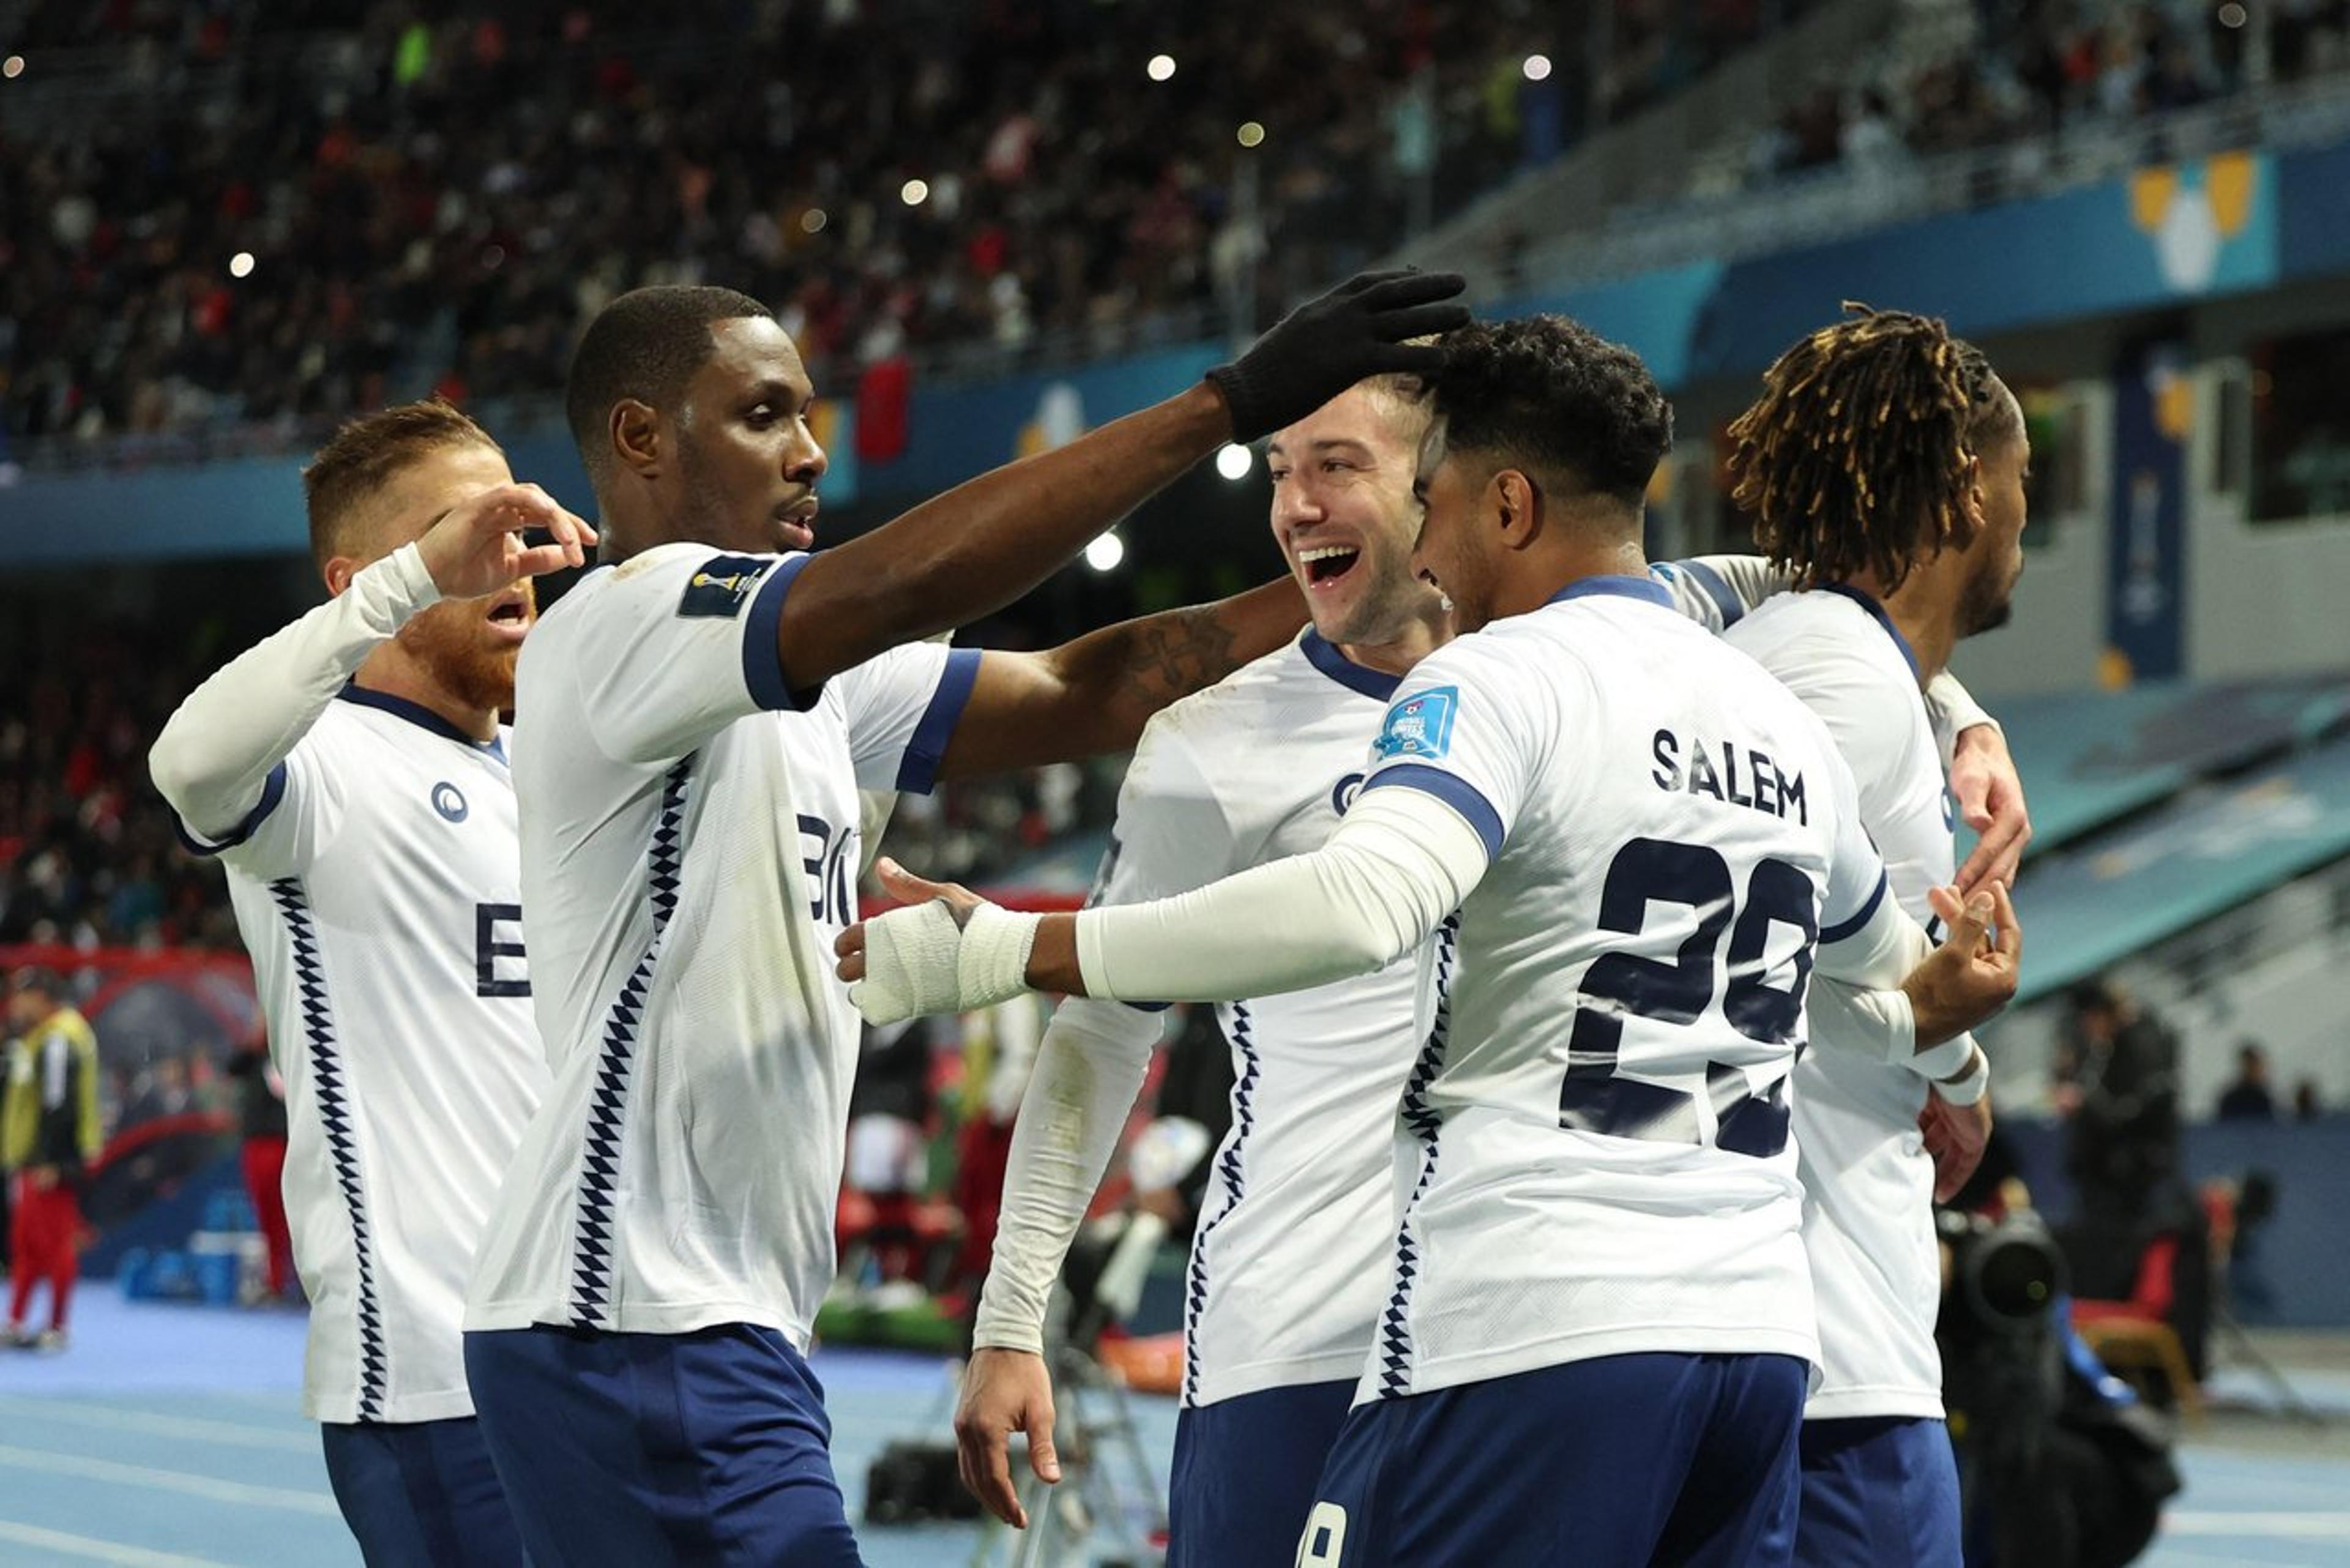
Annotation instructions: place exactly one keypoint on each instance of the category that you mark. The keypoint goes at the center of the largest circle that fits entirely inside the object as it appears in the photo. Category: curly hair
(1554, 395)
(1857, 456)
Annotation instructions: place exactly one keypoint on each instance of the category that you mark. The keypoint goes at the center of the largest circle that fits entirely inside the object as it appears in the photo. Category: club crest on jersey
(449, 801)
(721, 586)
(1419, 726)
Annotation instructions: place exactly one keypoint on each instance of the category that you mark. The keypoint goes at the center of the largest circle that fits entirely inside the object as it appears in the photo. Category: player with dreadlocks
(1885, 466)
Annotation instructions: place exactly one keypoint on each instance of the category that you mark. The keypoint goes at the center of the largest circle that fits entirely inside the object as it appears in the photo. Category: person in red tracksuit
(261, 1119)
(48, 1133)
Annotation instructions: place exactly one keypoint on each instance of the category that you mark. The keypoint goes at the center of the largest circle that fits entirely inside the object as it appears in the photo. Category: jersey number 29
(1620, 985)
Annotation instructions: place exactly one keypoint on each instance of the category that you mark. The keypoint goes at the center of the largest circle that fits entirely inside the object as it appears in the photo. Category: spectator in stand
(2248, 1098)
(2306, 1105)
(2118, 1087)
(261, 1123)
(49, 1136)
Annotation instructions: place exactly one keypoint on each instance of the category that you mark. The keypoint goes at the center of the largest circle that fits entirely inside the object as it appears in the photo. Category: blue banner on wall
(2146, 559)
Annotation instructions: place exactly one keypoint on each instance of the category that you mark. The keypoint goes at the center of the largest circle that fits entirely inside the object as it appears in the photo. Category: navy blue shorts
(650, 1449)
(1616, 1462)
(1244, 1474)
(421, 1494)
(1877, 1490)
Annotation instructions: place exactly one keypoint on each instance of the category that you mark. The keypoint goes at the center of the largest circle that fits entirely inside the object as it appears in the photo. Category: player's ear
(1971, 508)
(635, 429)
(1518, 507)
(339, 572)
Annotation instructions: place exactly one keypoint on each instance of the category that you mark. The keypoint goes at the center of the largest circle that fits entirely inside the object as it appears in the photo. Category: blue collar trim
(421, 716)
(1648, 589)
(1868, 602)
(1324, 656)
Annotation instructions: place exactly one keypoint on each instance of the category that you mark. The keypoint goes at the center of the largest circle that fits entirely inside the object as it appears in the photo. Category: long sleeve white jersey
(1868, 1184)
(373, 863)
(1594, 1136)
(690, 848)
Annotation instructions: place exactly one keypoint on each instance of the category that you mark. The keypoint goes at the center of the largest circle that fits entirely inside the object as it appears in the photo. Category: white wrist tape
(1943, 1061)
(911, 959)
(1969, 1086)
(918, 960)
(992, 963)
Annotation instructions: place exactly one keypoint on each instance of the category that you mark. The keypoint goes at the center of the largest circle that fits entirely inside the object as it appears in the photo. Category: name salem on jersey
(1744, 777)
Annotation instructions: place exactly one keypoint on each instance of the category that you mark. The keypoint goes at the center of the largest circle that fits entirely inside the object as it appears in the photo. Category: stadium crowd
(2027, 67)
(436, 196)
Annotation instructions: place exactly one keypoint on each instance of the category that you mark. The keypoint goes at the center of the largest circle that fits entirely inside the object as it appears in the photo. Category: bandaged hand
(948, 950)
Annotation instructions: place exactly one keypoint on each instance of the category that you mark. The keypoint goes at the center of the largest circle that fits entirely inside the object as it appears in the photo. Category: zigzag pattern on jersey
(600, 1161)
(1230, 1171)
(1420, 1118)
(334, 1114)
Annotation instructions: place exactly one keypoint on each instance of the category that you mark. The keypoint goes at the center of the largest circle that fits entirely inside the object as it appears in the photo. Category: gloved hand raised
(1326, 345)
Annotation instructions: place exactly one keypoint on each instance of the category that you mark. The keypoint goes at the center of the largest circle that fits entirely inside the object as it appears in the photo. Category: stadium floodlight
(1251, 133)
(1105, 552)
(812, 221)
(241, 265)
(13, 66)
(914, 192)
(1160, 67)
(1232, 460)
(1537, 67)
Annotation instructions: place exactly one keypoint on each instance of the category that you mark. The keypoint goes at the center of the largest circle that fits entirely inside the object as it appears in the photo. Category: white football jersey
(376, 886)
(1289, 1264)
(1595, 1135)
(690, 847)
(1869, 1183)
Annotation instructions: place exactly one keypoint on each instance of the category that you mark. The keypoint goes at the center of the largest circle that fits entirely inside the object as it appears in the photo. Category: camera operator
(2060, 1465)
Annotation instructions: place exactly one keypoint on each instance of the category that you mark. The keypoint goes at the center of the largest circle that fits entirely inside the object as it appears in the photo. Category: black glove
(1326, 345)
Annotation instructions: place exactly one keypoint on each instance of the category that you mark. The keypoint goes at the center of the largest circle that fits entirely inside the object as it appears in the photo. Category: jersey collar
(1648, 589)
(1324, 656)
(419, 715)
(1867, 601)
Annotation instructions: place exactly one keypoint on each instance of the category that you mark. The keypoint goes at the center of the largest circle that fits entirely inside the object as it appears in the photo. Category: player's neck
(394, 671)
(1924, 609)
(1398, 655)
(1547, 573)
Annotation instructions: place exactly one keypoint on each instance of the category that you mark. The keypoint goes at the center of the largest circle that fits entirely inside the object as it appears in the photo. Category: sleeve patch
(1419, 726)
(723, 585)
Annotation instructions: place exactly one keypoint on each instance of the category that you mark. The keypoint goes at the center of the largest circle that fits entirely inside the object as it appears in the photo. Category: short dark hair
(367, 450)
(645, 345)
(39, 978)
(1855, 456)
(1554, 395)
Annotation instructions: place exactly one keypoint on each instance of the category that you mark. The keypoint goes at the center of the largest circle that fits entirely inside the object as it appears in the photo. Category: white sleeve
(1172, 834)
(685, 645)
(901, 708)
(1717, 591)
(1088, 1072)
(1401, 861)
(219, 761)
(1954, 712)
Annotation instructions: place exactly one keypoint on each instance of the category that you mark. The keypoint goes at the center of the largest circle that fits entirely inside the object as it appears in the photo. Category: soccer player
(1885, 465)
(1632, 847)
(703, 711)
(350, 772)
(49, 1135)
(1288, 1268)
